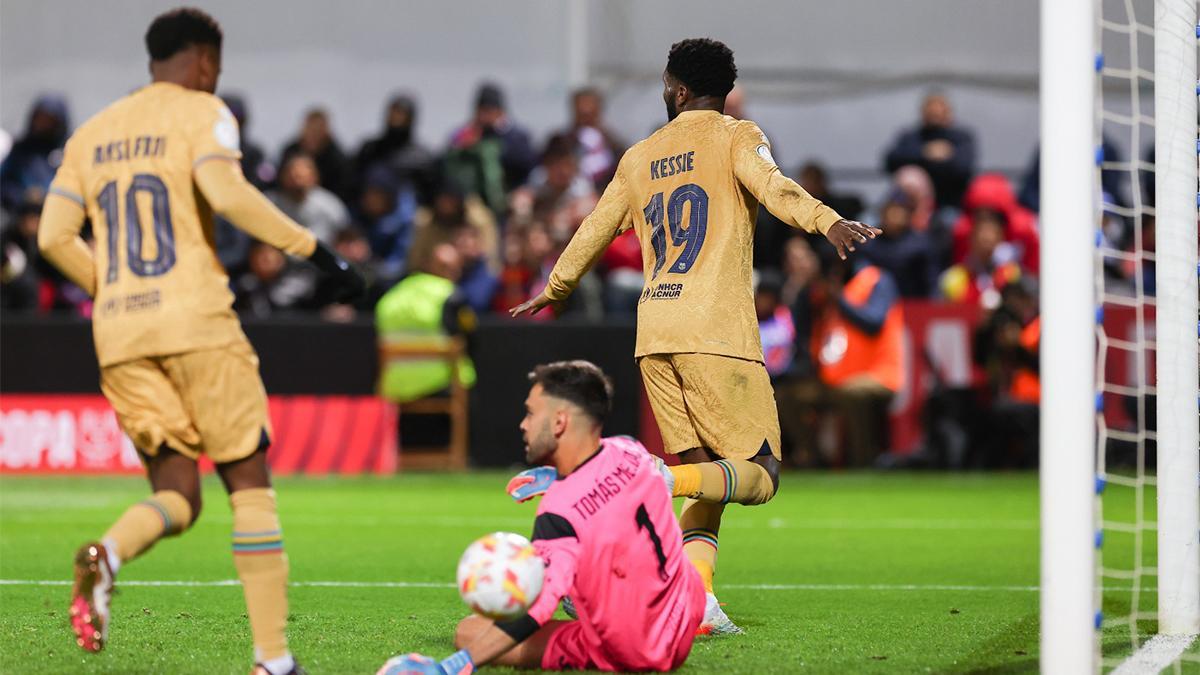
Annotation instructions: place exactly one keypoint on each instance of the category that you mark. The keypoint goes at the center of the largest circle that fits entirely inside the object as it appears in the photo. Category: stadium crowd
(493, 208)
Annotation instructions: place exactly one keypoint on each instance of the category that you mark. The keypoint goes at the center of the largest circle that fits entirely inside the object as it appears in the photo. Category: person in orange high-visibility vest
(1026, 386)
(858, 346)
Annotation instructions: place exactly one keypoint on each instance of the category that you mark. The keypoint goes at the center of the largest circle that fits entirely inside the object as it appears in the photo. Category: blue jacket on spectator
(909, 259)
(869, 317)
(386, 213)
(34, 158)
(478, 285)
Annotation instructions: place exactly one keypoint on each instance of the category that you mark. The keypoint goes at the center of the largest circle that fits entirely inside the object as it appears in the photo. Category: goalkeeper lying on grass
(608, 536)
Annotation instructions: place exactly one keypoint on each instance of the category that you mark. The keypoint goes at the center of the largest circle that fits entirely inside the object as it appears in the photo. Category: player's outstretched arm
(756, 169)
(221, 182)
(607, 220)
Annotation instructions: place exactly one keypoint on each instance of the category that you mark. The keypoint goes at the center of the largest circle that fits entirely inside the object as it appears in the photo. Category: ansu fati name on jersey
(125, 149)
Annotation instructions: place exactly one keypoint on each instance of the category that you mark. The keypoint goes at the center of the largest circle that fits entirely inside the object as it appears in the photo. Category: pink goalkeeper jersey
(610, 540)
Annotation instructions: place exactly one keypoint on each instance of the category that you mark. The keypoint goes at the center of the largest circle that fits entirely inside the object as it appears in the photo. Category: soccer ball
(500, 576)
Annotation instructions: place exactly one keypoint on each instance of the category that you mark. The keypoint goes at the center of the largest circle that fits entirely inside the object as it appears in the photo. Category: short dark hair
(489, 95)
(704, 65)
(559, 146)
(178, 29)
(579, 382)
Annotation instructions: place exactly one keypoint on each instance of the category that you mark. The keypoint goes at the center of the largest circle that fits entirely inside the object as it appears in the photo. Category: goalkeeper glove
(458, 663)
(350, 283)
(531, 483)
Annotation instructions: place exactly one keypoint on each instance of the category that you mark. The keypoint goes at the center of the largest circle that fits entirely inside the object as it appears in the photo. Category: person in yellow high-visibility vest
(425, 307)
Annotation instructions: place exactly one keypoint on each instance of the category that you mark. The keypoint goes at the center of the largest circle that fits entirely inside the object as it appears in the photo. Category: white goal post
(1068, 220)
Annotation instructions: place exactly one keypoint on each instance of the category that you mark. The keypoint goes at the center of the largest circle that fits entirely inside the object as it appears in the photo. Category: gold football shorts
(205, 402)
(722, 403)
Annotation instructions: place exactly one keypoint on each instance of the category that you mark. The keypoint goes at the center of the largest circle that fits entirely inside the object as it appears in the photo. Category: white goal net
(1144, 595)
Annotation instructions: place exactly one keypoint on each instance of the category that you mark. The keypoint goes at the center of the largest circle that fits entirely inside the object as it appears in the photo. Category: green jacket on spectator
(422, 310)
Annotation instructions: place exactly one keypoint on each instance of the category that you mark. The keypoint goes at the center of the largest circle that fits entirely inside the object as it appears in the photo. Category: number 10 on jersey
(164, 233)
(691, 238)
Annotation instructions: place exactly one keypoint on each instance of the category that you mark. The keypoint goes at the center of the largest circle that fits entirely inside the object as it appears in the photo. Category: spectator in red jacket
(988, 266)
(623, 280)
(994, 192)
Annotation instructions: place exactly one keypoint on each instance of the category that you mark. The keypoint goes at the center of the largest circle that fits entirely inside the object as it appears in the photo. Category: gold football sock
(724, 481)
(700, 522)
(263, 568)
(164, 514)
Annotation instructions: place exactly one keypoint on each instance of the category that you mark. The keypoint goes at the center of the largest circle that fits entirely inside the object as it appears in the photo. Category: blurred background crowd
(491, 208)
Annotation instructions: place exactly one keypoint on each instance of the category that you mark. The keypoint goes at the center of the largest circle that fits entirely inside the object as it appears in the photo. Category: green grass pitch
(849, 573)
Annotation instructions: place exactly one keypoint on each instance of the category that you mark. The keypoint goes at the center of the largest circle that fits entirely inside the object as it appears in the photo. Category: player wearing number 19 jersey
(149, 171)
(691, 192)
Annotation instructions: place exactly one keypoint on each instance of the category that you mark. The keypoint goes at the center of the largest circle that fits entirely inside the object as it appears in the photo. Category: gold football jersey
(160, 288)
(691, 191)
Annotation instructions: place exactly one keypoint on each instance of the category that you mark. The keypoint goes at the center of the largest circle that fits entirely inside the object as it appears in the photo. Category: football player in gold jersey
(691, 191)
(149, 171)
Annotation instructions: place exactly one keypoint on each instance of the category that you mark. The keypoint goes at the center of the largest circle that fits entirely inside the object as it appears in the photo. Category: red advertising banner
(78, 433)
(937, 346)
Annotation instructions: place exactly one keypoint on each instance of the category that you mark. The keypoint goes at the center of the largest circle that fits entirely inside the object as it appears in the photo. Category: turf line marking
(235, 582)
(1160, 652)
(436, 584)
(38, 515)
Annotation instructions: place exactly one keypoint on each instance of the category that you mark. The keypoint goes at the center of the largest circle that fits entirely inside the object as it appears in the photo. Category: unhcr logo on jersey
(662, 292)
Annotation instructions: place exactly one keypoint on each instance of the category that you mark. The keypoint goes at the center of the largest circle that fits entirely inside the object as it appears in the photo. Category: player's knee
(179, 508)
(771, 466)
(196, 504)
(773, 472)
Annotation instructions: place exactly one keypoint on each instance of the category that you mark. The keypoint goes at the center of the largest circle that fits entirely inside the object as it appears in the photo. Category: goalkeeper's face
(545, 420)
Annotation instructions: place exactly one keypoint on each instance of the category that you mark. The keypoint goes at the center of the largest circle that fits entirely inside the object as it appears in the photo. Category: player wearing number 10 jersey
(691, 192)
(149, 171)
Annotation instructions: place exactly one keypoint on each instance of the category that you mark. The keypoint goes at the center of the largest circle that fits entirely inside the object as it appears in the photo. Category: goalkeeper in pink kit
(609, 538)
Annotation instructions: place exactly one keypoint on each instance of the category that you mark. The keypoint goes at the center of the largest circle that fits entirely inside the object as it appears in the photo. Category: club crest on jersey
(764, 152)
(225, 130)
